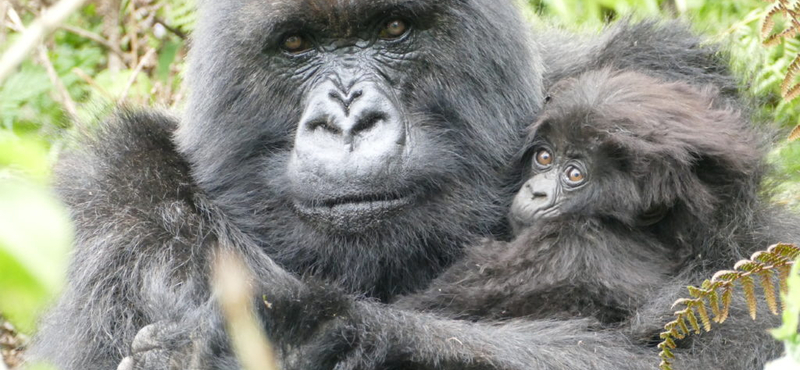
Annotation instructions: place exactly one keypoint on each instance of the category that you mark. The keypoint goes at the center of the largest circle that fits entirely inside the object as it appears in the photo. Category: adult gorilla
(359, 144)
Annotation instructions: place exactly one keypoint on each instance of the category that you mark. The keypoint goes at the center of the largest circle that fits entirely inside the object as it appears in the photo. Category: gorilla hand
(162, 345)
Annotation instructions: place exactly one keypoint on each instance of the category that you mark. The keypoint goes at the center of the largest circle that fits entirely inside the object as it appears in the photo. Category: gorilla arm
(146, 239)
(396, 339)
(142, 258)
(144, 243)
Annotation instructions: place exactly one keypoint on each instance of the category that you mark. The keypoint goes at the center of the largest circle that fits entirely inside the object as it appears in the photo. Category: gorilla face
(350, 149)
(344, 132)
(556, 176)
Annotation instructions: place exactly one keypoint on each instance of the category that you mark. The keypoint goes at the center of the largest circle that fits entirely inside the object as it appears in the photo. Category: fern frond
(769, 24)
(718, 293)
(689, 312)
(749, 294)
(795, 134)
(769, 290)
(713, 298)
(790, 89)
(726, 303)
(701, 311)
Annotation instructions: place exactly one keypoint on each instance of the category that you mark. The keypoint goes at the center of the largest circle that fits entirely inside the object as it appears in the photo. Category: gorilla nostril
(348, 100)
(368, 121)
(324, 124)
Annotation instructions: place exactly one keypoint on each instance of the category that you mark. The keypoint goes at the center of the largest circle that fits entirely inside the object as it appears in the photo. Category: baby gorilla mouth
(352, 213)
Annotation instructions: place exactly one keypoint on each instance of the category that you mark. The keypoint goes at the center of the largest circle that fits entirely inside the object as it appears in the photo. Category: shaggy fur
(650, 148)
(152, 199)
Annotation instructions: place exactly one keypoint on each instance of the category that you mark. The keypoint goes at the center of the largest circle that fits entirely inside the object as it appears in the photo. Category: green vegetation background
(133, 52)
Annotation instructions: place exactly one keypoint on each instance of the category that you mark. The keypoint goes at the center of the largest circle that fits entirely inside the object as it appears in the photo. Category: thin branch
(34, 35)
(64, 98)
(133, 32)
(169, 28)
(150, 53)
(3, 6)
(91, 82)
(94, 37)
(110, 10)
(232, 283)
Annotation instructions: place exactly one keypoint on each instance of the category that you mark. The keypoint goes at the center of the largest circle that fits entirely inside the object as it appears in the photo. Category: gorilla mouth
(359, 199)
(353, 212)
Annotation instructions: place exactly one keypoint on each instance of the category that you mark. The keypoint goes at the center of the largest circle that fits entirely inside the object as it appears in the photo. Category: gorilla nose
(344, 116)
(536, 192)
(348, 126)
(346, 99)
(355, 133)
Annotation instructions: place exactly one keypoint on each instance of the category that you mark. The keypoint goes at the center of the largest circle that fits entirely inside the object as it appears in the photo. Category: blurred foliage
(109, 53)
(787, 333)
(133, 51)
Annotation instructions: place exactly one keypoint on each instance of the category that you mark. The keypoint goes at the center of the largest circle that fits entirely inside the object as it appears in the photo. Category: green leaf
(165, 59)
(791, 314)
(28, 155)
(35, 236)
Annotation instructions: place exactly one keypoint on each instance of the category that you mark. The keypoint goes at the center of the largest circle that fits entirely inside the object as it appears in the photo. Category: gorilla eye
(296, 44)
(544, 158)
(574, 175)
(393, 29)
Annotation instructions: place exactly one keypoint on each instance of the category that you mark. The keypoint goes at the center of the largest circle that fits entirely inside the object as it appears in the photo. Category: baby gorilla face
(555, 178)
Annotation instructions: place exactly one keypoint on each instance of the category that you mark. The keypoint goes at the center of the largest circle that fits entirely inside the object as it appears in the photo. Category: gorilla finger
(153, 336)
(125, 364)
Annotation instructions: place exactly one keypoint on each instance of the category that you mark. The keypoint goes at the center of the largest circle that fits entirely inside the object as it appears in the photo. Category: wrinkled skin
(341, 164)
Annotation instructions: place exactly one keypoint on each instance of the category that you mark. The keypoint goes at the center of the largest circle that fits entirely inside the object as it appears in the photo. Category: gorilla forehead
(342, 17)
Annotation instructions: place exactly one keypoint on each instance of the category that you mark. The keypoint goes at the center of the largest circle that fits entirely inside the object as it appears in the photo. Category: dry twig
(35, 33)
(63, 95)
(231, 282)
(146, 58)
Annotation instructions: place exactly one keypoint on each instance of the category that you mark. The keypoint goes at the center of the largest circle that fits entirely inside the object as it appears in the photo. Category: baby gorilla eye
(296, 44)
(543, 158)
(574, 175)
(393, 29)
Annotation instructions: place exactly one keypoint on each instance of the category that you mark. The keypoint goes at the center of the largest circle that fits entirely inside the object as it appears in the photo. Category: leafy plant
(787, 333)
(718, 291)
(791, 11)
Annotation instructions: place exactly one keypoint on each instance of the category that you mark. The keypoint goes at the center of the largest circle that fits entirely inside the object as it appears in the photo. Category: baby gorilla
(629, 178)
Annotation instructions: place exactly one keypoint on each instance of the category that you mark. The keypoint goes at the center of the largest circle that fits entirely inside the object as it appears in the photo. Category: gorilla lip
(353, 207)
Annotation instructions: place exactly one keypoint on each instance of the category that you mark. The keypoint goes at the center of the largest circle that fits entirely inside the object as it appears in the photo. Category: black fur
(152, 203)
(651, 149)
